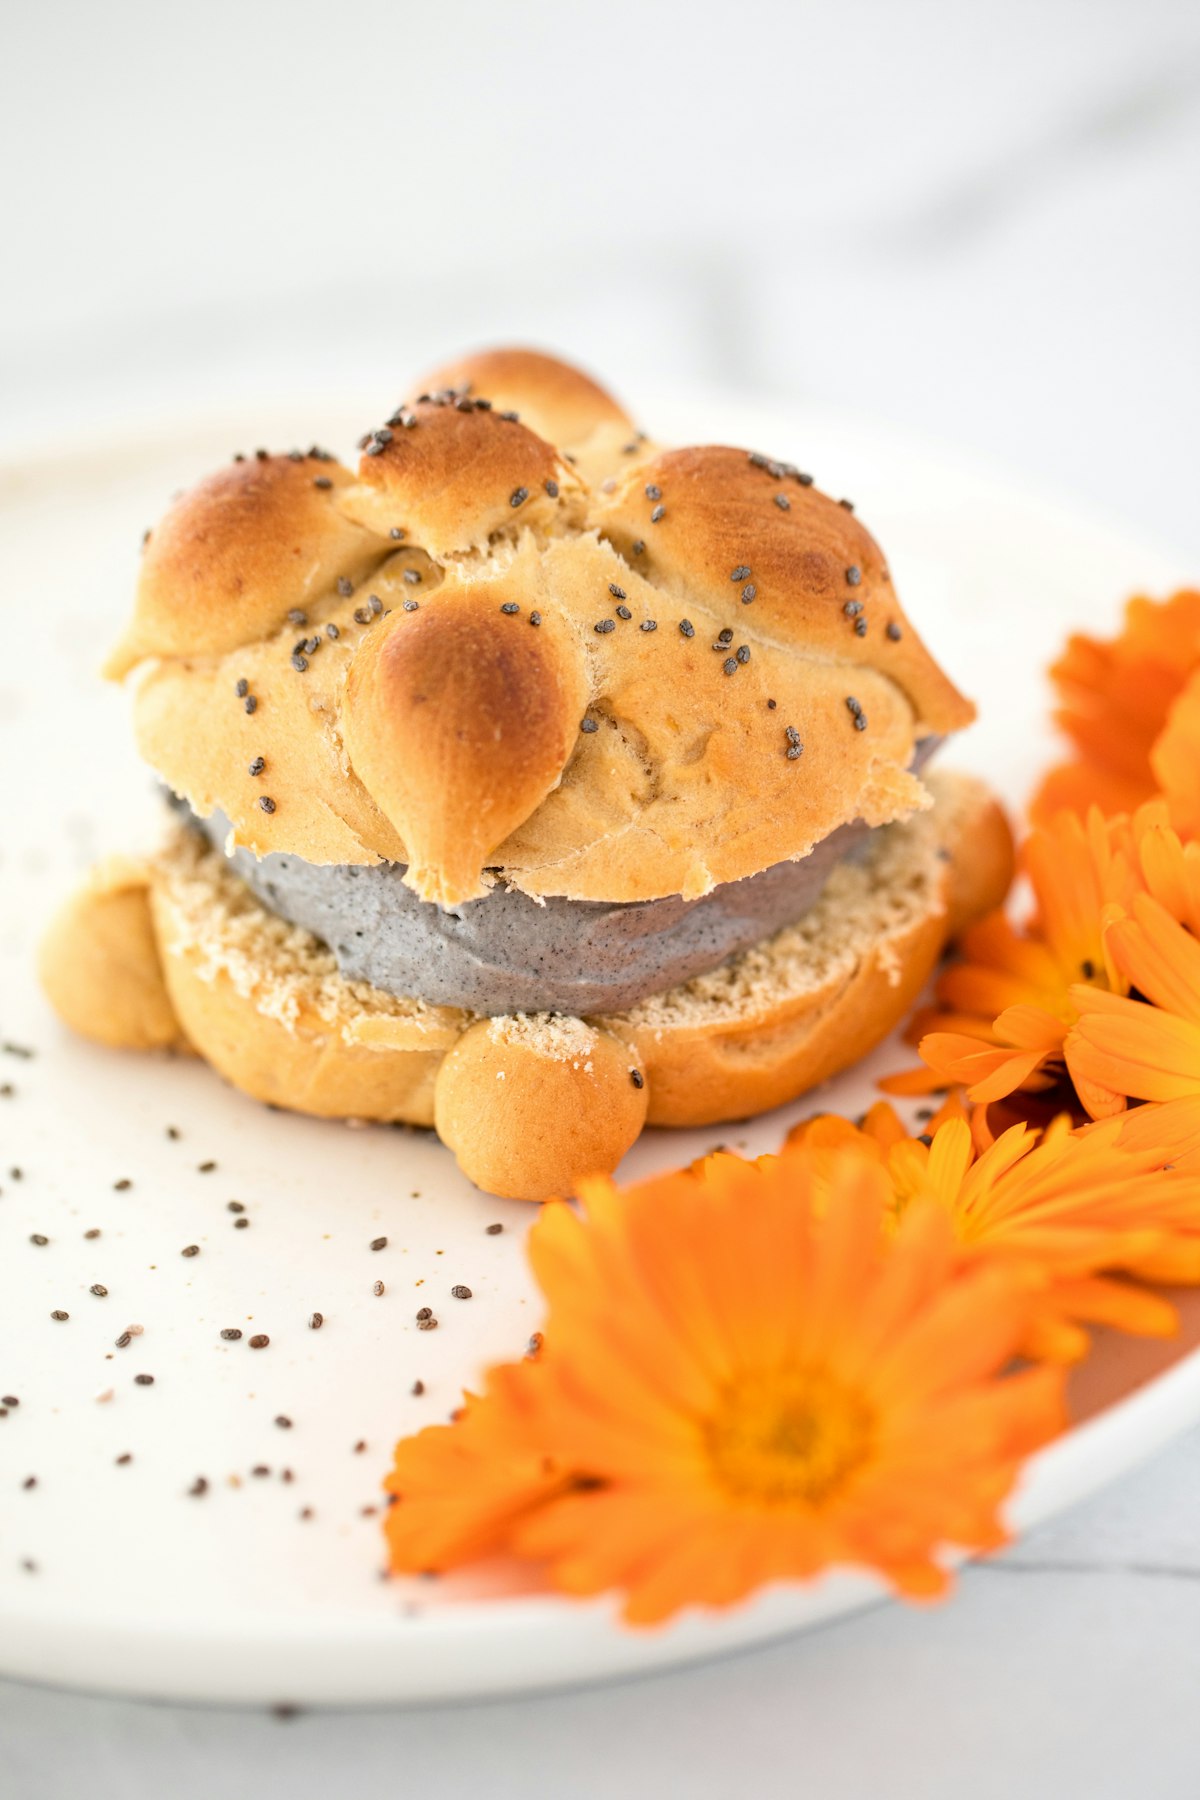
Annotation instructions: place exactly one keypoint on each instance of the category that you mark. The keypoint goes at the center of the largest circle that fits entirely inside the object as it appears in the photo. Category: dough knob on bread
(233, 555)
(558, 401)
(459, 719)
(529, 1105)
(756, 540)
(453, 477)
(99, 963)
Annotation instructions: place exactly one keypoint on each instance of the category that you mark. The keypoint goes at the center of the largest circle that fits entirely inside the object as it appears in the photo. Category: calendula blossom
(1146, 1048)
(1118, 698)
(1075, 1207)
(742, 1383)
(1004, 1008)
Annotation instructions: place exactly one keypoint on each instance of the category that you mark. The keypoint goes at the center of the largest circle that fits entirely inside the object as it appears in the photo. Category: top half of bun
(523, 641)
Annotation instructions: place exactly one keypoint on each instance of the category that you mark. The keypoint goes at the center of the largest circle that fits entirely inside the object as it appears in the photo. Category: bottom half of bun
(527, 1103)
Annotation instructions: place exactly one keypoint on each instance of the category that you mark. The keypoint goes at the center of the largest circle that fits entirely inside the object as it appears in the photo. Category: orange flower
(1175, 760)
(744, 1384)
(1005, 1008)
(1146, 1049)
(1116, 695)
(465, 1485)
(1070, 1206)
(881, 1129)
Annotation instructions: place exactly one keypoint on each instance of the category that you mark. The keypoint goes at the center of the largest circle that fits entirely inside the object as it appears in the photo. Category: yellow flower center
(788, 1438)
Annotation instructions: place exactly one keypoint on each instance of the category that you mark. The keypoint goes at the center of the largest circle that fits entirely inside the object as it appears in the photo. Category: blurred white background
(974, 218)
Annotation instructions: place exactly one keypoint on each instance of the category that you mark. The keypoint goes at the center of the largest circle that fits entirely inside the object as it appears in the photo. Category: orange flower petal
(1159, 957)
(1137, 1051)
(986, 1073)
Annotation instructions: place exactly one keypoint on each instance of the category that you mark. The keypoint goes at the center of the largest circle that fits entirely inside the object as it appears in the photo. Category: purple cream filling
(508, 953)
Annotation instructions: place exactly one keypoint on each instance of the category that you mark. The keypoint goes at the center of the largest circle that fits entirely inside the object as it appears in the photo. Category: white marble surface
(978, 220)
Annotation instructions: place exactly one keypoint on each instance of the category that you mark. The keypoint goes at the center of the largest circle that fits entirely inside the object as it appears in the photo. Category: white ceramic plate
(266, 1588)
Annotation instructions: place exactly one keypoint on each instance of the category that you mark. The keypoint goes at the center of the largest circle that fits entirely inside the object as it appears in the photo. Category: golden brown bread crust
(684, 783)
(705, 1071)
(982, 862)
(265, 1004)
(233, 555)
(459, 720)
(298, 1065)
(100, 965)
(559, 402)
(203, 722)
(808, 574)
(530, 1106)
(451, 475)
(689, 690)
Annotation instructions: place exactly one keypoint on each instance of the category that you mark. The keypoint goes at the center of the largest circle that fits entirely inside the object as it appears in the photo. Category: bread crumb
(555, 1035)
(289, 974)
(866, 908)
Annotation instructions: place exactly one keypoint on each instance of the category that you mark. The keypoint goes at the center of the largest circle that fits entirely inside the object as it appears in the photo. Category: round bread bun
(702, 613)
(563, 1099)
(527, 1103)
(100, 966)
